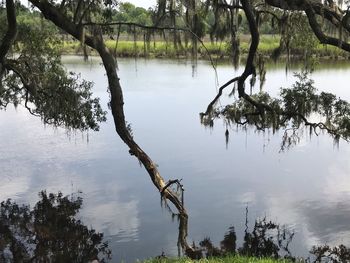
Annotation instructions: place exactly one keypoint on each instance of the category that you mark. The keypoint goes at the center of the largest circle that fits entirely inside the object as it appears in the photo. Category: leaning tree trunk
(96, 42)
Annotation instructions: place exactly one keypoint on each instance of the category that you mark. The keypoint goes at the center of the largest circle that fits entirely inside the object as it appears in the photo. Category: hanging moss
(290, 112)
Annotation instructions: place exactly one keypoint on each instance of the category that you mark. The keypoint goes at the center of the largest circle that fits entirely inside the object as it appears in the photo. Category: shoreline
(215, 51)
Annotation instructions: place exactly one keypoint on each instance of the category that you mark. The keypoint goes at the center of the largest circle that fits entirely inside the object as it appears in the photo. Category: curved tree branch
(312, 8)
(331, 12)
(212, 103)
(249, 66)
(11, 65)
(322, 37)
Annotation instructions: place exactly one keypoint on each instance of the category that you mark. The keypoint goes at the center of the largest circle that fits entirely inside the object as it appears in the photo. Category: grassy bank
(162, 49)
(230, 259)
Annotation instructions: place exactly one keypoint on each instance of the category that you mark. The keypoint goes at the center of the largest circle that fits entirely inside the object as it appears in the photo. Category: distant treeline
(127, 40)
(129, 13)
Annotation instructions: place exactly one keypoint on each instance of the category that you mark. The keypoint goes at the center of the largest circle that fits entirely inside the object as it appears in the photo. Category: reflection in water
(49, 232)
(267, 239)
(331, 254)
(330, 219)
(119, 200)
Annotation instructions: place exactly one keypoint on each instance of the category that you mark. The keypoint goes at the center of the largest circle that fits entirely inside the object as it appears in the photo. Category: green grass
(138, 48)
(229, 259)
(161, 49)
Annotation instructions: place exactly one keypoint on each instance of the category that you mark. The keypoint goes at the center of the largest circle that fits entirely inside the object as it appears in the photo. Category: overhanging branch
(313, 8)
(212, 103)
(322, 37)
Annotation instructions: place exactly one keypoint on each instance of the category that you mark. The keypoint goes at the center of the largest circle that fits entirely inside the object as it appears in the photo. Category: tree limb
(312, 8)
(323, 38)
(212, 103)
(11, 33)
(249, 66)
(11, 65)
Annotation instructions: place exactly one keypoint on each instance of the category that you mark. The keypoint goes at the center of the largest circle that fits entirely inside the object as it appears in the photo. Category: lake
(306, 188)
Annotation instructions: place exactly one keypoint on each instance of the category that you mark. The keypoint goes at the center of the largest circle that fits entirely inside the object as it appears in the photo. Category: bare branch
(212, 103)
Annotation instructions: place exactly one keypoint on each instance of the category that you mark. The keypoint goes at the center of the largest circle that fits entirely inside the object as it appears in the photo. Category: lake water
(307, 188)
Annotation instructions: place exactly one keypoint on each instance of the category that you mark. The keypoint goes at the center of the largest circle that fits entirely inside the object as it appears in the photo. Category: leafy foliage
(294, 108)
(39, 81)
(128, 12)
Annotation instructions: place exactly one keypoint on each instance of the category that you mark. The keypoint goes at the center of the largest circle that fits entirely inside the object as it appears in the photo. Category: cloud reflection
(316, 222)
(114, 218)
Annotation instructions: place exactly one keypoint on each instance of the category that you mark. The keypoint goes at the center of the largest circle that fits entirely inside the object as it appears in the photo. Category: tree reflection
(331, 254)
(267, 239)
(49, 232)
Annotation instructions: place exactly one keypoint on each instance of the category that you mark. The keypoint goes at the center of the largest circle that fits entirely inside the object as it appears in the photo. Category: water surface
(306, 188)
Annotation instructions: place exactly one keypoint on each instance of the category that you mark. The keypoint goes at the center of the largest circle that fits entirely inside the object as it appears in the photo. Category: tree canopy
(32, 74)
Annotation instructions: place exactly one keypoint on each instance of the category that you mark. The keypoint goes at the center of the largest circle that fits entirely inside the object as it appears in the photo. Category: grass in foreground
(228, 259)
